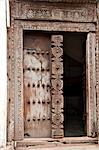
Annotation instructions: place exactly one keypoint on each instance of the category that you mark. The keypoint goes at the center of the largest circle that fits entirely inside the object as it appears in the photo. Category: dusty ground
(66, 147)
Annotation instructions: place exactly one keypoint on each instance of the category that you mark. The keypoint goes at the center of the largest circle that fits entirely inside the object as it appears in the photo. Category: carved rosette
(57, 86)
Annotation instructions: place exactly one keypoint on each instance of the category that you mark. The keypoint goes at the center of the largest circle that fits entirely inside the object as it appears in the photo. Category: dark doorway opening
(74, 84)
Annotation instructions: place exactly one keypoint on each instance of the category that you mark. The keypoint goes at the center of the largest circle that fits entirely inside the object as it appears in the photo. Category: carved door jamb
(90, 84)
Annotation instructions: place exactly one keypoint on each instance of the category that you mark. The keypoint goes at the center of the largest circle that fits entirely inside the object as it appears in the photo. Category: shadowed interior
(74, 84)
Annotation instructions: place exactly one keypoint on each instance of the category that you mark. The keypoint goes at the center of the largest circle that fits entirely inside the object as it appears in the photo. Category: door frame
(16, 104)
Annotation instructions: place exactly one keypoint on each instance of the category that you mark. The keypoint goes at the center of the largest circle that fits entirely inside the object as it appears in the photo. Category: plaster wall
(3, 74)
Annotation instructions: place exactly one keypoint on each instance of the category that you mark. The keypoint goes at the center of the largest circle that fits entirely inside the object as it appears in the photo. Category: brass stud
(28, 120)
(48, 85)
(39, 102)
(43, 85)
(52, 44)
(33, 85)
(33, 69)
(47, 69)
(47, 53)
(28, 84)
(42, 53)
(43, 102)
(34, 118)
(38, 69)
(38, 85)
(33, 102)
(28, 69)
(43, 118)
(48, 102)
(28, 102)
(38, 53)
(48, 118)
(33, 53)
(28, 53)
(42, 69)
(9, 57)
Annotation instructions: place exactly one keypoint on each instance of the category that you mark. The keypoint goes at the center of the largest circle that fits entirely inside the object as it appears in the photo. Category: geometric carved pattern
(57, 86)
(29, 10)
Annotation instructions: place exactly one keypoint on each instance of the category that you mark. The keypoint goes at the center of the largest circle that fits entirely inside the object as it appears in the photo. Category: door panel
(37, 97)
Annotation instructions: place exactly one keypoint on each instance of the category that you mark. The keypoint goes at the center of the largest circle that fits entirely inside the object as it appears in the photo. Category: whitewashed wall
(3, 73)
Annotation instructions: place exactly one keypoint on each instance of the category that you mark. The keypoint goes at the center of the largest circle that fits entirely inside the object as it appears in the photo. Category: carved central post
(57, 86)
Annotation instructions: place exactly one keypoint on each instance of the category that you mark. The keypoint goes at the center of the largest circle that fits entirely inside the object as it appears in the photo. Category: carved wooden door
(37, 75)
(43, 84)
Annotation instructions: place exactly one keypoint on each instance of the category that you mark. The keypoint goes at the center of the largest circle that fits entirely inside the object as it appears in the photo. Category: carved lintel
(63, 12)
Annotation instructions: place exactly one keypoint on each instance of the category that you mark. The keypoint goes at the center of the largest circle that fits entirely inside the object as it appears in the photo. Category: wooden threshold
(52, 142)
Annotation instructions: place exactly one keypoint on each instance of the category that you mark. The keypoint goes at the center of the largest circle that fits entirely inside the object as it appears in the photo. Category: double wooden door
(43, 85)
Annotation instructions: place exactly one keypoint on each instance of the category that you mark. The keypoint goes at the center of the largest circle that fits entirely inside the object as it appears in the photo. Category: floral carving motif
(57, 85)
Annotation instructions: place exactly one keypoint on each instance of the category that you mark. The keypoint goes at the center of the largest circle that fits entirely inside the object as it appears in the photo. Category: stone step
(68, 147)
